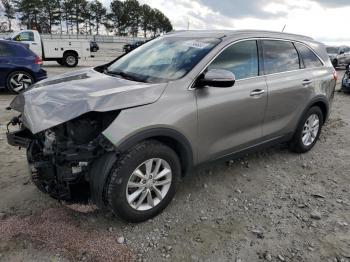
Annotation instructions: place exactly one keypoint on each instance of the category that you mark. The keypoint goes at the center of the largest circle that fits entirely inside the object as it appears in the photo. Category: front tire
(143, 181)
(308, 131)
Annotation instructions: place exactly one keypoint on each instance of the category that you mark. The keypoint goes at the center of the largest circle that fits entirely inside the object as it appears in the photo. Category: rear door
(230, 119)
(290, 87)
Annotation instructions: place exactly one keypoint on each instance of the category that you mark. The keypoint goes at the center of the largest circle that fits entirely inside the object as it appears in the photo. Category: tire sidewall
(8, 85)
(298, 135)
(65, 59)
(120, 175)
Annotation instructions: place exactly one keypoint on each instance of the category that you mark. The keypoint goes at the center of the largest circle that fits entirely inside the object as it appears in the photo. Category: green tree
(98, 14)
(29, 13)
(117, 17)
(146, 18)
(132, 12)
(9, 12)
(50, 15)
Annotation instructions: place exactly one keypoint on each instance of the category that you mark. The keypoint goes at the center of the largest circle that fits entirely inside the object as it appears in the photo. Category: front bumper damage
(58, 165)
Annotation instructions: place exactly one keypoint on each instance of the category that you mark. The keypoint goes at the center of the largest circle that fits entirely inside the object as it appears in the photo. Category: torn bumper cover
(60, 167)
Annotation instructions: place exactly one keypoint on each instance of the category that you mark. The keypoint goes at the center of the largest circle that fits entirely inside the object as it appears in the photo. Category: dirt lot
(272, 205)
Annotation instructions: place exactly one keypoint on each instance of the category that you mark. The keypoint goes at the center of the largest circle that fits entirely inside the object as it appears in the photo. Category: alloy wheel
(311, 129)
(20, 82)
(70, 60)
(149, 184)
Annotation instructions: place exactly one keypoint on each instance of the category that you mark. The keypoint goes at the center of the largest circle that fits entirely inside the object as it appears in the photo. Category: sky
(324, 20)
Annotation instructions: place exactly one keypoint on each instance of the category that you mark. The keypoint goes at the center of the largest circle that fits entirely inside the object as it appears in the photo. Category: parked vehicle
(64, 51)
(94, 47)
(129, 47)
(128, 131)
(346, 80)
(340, 56)
(19, 67)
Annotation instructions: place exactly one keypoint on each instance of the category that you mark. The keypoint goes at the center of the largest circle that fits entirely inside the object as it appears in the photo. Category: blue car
(19, 67)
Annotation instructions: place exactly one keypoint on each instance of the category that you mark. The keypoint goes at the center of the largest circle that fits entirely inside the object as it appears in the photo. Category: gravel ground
(269, 206)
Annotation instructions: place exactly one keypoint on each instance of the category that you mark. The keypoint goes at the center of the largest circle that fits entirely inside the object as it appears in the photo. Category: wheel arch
(322, 103)
(172, 138)
(71, 51)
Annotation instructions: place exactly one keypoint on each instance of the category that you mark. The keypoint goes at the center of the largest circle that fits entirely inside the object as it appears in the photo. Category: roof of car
(11, 42)
(232, 33)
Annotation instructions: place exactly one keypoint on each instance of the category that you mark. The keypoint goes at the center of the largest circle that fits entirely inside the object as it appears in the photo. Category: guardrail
(97, 38)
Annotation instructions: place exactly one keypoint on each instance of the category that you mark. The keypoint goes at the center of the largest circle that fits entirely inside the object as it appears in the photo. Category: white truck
(65, 51)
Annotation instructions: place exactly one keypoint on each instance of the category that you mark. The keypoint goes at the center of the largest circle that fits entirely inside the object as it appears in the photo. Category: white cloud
(307, 17)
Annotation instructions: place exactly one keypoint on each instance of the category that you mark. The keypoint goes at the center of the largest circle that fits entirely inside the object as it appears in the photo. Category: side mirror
(342, 52)
(217, 78)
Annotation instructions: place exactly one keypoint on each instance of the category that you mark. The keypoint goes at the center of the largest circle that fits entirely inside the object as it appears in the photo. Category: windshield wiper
(125, 76)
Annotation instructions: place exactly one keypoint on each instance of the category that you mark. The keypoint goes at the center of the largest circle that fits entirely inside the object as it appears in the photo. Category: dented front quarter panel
(65, 97)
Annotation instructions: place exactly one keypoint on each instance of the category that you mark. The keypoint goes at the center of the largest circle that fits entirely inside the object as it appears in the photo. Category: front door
(231, 118)
(28, 38)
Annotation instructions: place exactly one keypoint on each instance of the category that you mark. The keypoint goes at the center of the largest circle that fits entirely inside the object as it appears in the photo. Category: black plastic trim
(187, 156)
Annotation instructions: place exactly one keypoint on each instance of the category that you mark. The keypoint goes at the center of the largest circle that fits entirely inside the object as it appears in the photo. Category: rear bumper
(41, 75)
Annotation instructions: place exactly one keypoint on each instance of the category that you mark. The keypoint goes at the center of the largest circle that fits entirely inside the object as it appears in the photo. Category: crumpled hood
(65, 97)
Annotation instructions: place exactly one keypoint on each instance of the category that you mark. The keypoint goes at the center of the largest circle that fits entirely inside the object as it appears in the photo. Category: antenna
(284, 28)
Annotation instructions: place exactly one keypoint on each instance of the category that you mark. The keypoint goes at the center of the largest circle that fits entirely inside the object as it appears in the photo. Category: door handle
(34, 43)
(307, 82)
(257, 92)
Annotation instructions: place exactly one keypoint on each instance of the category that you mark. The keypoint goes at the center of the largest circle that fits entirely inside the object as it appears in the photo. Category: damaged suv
(122, 135)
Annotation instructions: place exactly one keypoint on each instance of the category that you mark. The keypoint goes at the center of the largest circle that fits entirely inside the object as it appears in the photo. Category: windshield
(163, 59)
(332, 50)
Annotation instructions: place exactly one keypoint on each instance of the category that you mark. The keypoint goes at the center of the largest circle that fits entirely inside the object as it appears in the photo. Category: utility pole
(188, 24)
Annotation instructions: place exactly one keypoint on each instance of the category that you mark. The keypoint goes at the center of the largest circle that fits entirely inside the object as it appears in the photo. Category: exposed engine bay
(60, 158)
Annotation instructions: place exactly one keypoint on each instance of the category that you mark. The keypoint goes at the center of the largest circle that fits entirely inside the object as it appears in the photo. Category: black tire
(296, 144)
(70, 59)
(60, 62)
(335, 63)
(121, 172)
(16, 90)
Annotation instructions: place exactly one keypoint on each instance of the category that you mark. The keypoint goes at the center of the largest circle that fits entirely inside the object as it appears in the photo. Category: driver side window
(240, 58)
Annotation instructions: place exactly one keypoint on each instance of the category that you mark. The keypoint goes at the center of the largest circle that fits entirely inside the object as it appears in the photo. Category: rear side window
(240, 58)
(309, 58)
(6, 50)
(280, 56)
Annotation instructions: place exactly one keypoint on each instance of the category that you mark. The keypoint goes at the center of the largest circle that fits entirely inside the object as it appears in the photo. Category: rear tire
(19, 81)
(154, 191)
(335, 63)
(70, 59)
(308, 131)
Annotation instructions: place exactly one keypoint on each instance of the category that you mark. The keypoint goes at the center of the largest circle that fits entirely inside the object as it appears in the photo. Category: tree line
(122, 18)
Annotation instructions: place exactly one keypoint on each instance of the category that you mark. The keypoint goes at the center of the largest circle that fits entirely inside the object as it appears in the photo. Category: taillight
(335, 75)
(38, 60)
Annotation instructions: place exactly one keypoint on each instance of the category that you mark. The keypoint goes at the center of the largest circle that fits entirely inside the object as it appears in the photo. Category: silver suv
(123, 134)
(340, 56)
